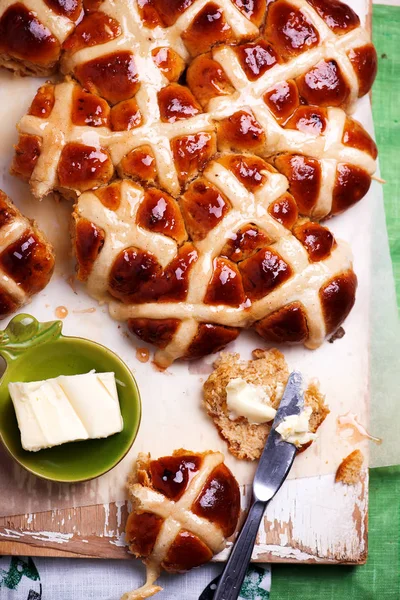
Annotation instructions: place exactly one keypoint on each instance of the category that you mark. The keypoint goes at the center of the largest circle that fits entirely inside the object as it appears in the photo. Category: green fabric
(380, 577)
(386, 110)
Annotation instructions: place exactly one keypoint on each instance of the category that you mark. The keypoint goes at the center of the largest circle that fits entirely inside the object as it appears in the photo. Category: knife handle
(235, 569)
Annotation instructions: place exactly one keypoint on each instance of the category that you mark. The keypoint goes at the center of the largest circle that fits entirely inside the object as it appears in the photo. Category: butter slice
(66, 409)
(249, 401)
(295, 429)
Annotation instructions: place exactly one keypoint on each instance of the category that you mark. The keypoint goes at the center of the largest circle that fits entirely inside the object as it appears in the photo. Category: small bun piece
(269, 370)
(26, 258)
(184, 507)
(349, 470)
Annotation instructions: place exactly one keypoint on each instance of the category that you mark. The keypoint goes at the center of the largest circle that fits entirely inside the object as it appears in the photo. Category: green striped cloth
(386, 109)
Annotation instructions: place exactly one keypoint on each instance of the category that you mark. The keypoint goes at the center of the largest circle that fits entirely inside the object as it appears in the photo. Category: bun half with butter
(242, 398)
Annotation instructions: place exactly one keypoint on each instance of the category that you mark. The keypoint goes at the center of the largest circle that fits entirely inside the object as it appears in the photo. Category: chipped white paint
(314, 529)
(119, 541)
(106, 519)
(288, 553)
(118, 535)
(119, 506)
(295, 530)
(52, 537)
(328, 525)
(12, 534)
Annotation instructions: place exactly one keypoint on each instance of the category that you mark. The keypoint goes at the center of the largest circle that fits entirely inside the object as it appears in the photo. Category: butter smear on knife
(66, 409)
(295, 429)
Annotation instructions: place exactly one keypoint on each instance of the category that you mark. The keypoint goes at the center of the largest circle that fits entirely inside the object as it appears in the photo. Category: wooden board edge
(27, 549)
(98, 531)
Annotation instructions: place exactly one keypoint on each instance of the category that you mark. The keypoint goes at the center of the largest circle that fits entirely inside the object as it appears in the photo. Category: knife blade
(278, 455)
(273, 468)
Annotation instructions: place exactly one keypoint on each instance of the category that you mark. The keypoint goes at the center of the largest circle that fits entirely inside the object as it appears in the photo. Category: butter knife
(273, 468)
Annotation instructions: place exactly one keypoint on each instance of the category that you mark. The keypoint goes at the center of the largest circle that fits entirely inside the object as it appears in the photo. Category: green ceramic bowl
(35, 351)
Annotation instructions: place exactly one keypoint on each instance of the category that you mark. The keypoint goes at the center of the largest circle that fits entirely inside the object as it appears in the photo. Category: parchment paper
(172, 412)
(385, 333)
(385, 347)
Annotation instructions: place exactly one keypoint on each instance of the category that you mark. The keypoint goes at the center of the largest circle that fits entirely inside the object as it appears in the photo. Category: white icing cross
(141, 40)
(57, 131)
(327, 147)
(330, 46)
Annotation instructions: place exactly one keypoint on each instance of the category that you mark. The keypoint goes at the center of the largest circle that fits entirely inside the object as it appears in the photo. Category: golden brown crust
(27, 152)
(349, 470)
(26, 45)
(26, 258)
(34, 47)
(268, 369)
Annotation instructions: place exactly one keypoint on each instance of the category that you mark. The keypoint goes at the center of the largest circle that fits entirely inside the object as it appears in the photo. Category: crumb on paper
(349, 470)
(339, 333)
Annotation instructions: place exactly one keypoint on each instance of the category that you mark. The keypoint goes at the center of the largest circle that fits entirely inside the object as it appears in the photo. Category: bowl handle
(23, 332)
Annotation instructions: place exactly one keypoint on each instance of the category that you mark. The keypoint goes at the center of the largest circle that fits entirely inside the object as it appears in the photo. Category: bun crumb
(349, 470)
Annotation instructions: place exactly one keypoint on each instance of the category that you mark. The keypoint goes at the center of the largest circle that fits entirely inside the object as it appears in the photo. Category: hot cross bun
(26, 258)
(172, 145)
(72, 140)
(230, 253)
(258, 98)
(34, 32)
(278, 90)
(184, 507)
